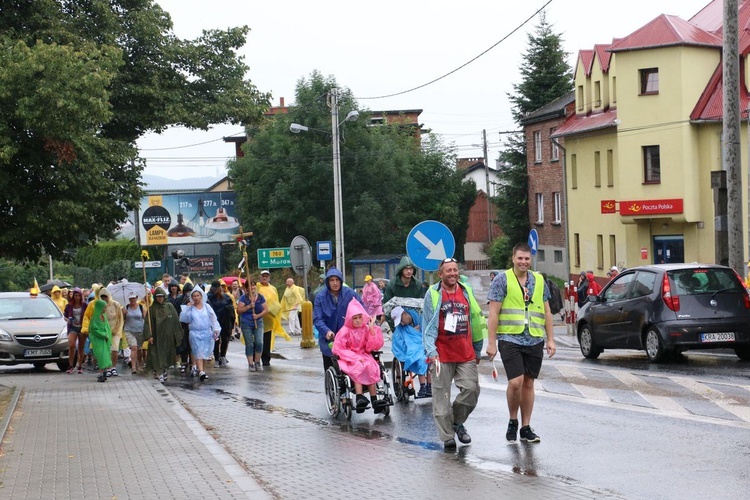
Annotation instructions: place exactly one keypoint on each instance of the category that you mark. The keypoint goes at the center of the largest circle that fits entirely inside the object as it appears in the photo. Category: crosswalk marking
(716, 397)
(643, 390)
(572, 373)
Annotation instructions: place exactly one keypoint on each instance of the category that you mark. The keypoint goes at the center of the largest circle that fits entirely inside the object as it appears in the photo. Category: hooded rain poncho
(329, 311)
(408, 346)
(372, 299)
(354, 346)
(163, 324)
(203, 325)
(100, 335)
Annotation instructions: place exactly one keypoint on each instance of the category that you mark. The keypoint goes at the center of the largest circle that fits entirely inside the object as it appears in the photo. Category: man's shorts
(115, 344)
(520, 359)
(132, 339)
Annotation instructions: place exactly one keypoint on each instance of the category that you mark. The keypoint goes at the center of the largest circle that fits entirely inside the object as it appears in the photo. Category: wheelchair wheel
(397, 375)
(386, 410)
(348, 410)
(333, 393)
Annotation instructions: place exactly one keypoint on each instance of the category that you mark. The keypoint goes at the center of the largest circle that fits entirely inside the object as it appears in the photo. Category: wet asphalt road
(618, 425)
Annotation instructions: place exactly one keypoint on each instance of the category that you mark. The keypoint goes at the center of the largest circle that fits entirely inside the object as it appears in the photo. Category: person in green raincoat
(100, 337)
(164, 333)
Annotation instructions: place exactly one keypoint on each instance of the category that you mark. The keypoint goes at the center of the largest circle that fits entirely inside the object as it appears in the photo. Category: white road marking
(642, 389)
(571, 373)
(716, 397)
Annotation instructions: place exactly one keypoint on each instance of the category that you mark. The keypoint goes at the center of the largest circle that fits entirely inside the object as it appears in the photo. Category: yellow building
(645, 139)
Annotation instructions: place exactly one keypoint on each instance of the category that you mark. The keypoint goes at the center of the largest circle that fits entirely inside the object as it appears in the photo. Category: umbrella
(53, 283)
(406, 303)
(120, 291)
(231, 279)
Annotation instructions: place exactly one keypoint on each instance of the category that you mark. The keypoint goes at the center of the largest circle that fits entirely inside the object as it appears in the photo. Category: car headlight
(5, 335)
(63, 335)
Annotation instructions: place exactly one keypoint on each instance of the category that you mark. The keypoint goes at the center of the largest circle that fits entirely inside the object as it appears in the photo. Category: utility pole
(337, 199)
(487, 185)
(731, 136)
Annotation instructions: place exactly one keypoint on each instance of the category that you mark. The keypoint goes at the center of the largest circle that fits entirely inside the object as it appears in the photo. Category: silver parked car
(32, 330)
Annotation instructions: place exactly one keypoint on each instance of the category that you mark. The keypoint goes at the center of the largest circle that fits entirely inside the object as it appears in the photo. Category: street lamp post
(338, 207)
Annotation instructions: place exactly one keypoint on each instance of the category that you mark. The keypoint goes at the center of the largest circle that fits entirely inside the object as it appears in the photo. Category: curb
(9, 413)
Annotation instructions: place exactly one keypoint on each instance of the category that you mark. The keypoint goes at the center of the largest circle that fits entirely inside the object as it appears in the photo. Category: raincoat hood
(173, 284)
(187, 288)
(99, 306)
(352, 310)
(56, 289)
(334, 272)
(104, 293)
(202, 292)
(405, 262)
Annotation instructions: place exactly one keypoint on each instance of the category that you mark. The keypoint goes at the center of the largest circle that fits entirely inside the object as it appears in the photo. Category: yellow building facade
(642, 146)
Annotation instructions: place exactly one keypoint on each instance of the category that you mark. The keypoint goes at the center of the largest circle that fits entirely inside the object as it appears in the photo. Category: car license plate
(717, 337)
(29, 353)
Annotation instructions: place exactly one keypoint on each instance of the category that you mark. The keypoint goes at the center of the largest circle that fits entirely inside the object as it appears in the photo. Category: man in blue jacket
(329, 311)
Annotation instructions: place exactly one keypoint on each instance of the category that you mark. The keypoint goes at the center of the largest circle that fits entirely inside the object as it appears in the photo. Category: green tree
(284, 182)
(80, 81)
(545, 76)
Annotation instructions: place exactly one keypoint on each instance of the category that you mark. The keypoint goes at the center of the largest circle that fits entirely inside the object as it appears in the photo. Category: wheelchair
(339, 389)
(403, 382)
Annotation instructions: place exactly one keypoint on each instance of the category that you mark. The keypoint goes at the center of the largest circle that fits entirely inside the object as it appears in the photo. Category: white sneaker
(251, 367)
(258, 366)
(224, 361)
(203, 376)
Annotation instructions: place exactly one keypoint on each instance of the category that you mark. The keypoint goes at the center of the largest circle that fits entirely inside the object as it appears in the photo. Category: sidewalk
(73, 438)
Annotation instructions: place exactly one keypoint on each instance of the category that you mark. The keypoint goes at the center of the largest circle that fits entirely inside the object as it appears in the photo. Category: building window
(579, 98)
(614, 90)
(539, 208)
(554, 148)
(540, 255)
(597, 169)
(537, 146)
(651, 165)
(612, 251)
(577, 249)
(573, 172)
(558, 208)
(597, 94)
(599, 251)
(558, 257)
(610, 168)
(649, 81)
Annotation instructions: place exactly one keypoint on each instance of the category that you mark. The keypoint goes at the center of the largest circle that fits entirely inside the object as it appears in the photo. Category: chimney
(281, 100)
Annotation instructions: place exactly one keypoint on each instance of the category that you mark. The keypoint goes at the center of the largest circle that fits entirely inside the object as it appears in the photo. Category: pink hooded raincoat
(353, 346)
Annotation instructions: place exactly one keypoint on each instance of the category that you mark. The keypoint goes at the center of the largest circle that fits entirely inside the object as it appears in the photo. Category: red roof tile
(586, 57)
(710, 18)
(710, 106)
(578, 124)
(666, 31)
(604, 56)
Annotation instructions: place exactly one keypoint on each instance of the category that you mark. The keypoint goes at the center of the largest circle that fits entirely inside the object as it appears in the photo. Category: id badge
(450, 322)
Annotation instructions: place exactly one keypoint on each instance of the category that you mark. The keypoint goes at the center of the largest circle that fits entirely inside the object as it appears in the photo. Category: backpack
(555, 299)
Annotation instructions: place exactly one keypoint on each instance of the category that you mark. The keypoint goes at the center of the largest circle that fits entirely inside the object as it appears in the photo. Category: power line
(464, 64)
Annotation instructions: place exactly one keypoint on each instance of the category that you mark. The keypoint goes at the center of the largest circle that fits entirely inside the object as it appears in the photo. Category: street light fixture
(296, 128)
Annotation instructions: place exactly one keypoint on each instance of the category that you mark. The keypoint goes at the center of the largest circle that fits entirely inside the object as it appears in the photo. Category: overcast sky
(386, 47)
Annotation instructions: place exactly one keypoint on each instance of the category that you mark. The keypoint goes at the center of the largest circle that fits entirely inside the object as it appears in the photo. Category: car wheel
(654, 346)
(586, 341)
(743, 353)
(63, 365)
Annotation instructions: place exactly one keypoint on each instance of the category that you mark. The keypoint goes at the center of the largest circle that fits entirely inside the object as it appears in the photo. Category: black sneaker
(512, 433)
(528, 435)
(449, 444)
(463, 436)
(428, 391)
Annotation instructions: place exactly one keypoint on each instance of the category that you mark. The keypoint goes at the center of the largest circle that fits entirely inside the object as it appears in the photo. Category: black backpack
(555, 299)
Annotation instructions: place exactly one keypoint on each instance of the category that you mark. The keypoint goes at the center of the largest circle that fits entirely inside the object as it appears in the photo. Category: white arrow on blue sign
(533, 241)
(428, 243)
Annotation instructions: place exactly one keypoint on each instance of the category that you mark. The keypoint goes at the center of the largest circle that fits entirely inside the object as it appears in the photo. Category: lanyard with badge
(526, 299)
(451, 320)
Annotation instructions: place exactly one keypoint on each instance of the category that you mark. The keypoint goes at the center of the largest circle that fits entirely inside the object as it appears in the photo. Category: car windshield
(701, 281)
(16, 308)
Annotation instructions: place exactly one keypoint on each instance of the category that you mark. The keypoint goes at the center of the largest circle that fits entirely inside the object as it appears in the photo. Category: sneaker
(429, 390)
(183, 369)
(528, 435)
(217, 364)
(224, 361)
(362, 401)
(258, 366)
(422, 391)
(449, 444)
(113, 372)
(194, 371)
(108, 373)
(203, 376)
(162, 379)
(512, 433)
(463, 436)
(101, 378)
(251, 367)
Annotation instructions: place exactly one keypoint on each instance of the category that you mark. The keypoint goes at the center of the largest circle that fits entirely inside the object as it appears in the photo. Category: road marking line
(642, 389)
(716, 397)
(571, 373)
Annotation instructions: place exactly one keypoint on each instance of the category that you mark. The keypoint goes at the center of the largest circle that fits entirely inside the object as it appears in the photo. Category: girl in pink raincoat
(353, 345)
(372, 298)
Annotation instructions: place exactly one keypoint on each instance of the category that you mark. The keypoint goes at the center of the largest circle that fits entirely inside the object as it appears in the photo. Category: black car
(668, 308)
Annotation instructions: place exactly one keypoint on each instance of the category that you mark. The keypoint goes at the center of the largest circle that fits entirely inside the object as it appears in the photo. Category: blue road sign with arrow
(533, 241)
(428, 243)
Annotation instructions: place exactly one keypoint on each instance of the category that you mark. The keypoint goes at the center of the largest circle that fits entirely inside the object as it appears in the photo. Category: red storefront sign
(651, 207)
(609, 206)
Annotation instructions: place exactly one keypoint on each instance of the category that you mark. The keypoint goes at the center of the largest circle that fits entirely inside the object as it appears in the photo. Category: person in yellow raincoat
(58, 298)
(291, 305)
(271, 323)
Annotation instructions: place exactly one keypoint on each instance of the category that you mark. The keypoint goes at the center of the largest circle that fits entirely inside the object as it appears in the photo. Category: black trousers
(265, 356)
(220, 346)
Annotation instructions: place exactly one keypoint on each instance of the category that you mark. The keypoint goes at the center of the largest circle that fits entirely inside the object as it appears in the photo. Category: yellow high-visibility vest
(514, 312)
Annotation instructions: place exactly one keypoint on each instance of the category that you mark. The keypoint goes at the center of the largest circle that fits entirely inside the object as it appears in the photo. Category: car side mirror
(593, 298)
